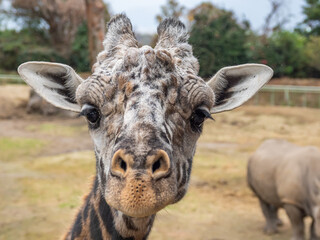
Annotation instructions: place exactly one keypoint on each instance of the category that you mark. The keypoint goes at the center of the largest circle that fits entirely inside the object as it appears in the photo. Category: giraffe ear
(234, 85)
(55, 82)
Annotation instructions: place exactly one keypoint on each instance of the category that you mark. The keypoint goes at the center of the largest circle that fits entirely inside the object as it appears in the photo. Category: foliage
(284, 52)
(34, 45)
(40, 54)
(312, 13)
(61, 17)
(23, 45)
(79, 58)
(9, 48)
(313, 52)
(218, 40)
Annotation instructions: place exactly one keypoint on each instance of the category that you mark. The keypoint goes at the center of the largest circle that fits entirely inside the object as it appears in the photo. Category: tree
(171, 9)
(313, 52)
(217, 39)
(62, 18)
(97, 14)
(79, 58)
(284, 52)
(275, 18)
(312, 20)
(204, 12)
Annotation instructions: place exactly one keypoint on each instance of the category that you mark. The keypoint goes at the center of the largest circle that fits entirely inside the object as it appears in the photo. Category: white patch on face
(129, 117)
(100, 145)
(97, 139)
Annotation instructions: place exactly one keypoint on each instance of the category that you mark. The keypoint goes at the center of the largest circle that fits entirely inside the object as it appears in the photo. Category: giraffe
(145, 109)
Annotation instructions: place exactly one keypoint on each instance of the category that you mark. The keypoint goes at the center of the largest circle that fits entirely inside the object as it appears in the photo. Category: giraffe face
(144, 118)
(145, 110)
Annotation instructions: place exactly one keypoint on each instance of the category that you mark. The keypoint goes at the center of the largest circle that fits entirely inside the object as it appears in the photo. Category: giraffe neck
(97, 220)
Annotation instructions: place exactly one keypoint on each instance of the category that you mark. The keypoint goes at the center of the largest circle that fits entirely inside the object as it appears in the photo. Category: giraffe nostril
(159, 164)
(119, 164)
(123, 164)
(156, 165)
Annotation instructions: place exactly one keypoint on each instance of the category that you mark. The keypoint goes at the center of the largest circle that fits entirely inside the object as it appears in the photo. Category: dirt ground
(46, 164)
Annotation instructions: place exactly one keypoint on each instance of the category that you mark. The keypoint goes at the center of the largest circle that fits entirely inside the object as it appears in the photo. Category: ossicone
(119, 34)
(171, 32)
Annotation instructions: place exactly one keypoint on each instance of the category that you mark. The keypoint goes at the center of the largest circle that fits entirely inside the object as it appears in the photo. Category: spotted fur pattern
(97, 220)
(146, 98)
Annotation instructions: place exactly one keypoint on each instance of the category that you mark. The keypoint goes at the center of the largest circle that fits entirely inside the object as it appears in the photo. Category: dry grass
(42, 180)
(13, 97)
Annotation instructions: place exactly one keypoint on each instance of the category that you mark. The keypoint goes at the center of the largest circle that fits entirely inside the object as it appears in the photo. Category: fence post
(304, 100)
(290, 92)
(287, 97)
(272, 98)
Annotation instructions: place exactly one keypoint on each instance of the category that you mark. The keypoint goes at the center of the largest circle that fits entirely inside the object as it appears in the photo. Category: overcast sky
(142, 12)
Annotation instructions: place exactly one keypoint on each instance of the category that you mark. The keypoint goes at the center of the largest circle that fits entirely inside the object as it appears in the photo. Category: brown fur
(149, 105)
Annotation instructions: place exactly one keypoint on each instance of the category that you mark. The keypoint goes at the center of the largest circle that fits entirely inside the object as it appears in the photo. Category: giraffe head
(145, 110)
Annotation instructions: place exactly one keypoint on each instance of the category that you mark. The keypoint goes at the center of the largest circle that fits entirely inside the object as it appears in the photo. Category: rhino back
(297, 177)
(262, 169)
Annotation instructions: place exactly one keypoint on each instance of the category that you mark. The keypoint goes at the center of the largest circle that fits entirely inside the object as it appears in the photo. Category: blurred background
(283, 34)
(46, 154)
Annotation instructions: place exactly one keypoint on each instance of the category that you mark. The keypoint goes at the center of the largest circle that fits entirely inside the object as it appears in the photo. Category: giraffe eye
(93, 116)
(197, 118)
(91, 113)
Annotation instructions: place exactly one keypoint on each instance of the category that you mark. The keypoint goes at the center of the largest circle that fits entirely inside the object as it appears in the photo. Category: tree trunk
(95, 10)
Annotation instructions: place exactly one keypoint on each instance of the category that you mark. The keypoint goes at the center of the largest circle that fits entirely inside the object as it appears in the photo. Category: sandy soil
(46, 164)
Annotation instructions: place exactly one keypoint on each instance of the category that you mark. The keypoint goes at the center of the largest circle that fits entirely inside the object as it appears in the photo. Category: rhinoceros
(284, 175)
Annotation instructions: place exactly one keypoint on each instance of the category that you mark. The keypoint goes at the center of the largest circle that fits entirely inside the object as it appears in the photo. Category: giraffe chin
(139, 211)
(139, 207)
(138, 197)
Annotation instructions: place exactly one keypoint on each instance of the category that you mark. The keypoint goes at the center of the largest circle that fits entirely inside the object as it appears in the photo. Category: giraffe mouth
(141, 197)
(138, 209)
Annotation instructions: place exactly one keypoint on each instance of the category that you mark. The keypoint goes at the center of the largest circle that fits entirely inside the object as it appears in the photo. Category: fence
(10, 78)
(287, 95)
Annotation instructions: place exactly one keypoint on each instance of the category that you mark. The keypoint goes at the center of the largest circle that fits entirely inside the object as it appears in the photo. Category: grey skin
(284, 175)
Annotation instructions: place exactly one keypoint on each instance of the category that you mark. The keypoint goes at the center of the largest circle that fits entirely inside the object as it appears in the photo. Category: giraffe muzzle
(143, 187)
(157, 166)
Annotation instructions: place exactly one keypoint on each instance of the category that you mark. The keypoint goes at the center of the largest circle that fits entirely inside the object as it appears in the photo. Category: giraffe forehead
(142, 73)
(145, 105)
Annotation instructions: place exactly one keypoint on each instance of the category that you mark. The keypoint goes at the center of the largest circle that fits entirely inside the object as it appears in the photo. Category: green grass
(55, 129)
(17, 149)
